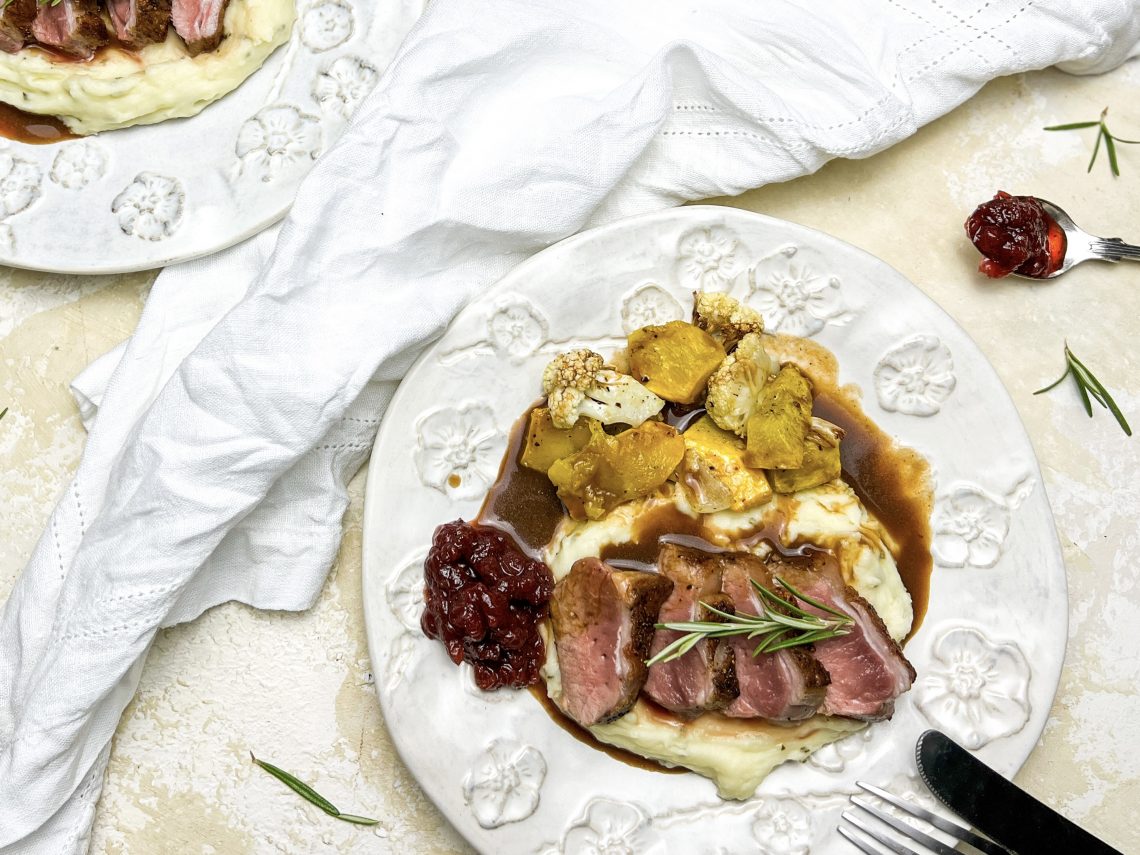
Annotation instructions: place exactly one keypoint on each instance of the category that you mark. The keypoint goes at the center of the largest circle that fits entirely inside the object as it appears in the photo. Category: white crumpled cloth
(216, 466)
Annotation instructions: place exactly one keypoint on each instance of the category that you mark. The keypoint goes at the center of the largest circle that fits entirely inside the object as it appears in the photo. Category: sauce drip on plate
(31, 128)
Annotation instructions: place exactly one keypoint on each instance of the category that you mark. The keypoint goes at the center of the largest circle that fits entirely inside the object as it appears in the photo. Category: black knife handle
(996, 807)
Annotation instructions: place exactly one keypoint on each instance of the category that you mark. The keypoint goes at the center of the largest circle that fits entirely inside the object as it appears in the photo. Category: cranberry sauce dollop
(484, 602)
(1016, 235)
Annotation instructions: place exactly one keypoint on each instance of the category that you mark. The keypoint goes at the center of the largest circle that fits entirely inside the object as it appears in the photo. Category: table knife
(996, 807)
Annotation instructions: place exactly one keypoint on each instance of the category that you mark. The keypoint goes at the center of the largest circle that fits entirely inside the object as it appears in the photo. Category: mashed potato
(737, 754)
(161, 81)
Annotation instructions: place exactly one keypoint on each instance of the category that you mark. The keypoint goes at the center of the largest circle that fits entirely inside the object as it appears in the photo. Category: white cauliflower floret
(734, 386)
(579, 383)
(725, 319)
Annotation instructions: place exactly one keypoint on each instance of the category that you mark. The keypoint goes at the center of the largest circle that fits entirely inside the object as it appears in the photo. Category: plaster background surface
(296, 688)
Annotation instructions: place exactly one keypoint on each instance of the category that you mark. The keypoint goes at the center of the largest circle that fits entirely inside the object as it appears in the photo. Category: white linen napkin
(216, 465)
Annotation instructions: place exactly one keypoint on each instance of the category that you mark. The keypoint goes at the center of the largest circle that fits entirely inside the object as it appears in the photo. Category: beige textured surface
(296, 688)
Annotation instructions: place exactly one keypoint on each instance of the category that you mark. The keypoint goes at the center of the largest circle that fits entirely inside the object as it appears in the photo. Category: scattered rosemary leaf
(780, 625)
(1103, 134)
(3, 412)
(1089, 388)
(309, 794)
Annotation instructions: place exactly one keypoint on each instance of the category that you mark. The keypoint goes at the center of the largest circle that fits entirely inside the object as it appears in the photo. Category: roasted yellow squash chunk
(780, 420)
(713, 475)
(674, 361)
(821, 460)
(611, 470)
(546, 443)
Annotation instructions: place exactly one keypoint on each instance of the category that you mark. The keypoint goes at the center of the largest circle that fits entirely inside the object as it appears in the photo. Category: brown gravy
(583, 735)
(30, 128)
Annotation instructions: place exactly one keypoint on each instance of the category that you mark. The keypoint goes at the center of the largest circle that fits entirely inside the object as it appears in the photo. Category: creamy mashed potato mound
(162, 81)
(737, 754)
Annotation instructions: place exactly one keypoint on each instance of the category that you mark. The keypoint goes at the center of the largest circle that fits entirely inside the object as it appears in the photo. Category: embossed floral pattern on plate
(276, 139)
(976, 688)
(796, 300)
(915, 377)
(458, 450)
(504, 783)
(150, 207)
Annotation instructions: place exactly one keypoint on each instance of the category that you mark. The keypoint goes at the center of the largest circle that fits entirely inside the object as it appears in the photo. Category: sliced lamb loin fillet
(868, 669)
(139, 23)
(16, 25)
(787, 685)
(603, 625)
(705, 677)
(200, 23)
(73, 27)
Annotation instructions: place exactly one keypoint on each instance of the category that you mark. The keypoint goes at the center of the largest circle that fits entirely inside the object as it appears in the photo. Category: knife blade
(995, 806)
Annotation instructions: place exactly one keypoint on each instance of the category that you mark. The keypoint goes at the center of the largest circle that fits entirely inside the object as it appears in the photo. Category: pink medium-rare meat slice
(603, 625)
(705, 677)
(16, 25)
(74, 27)
(787, 685)
(867, 667)
(139, 23)
(200, 23)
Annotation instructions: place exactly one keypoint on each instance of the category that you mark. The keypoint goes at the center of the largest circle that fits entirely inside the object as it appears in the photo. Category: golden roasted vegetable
(546, 443)
(734, 387)
(615, 469)
(674, 360)
(713, 475)
(821, 460)
(779, 423)
(725, 318)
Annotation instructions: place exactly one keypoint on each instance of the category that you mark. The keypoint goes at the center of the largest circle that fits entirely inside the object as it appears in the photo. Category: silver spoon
(1081, 246)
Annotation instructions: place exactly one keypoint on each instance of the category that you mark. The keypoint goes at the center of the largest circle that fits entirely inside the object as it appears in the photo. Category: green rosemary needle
(1088, 387)
(309, 794)
(781, 624)
(1102, 134)
(3, 412)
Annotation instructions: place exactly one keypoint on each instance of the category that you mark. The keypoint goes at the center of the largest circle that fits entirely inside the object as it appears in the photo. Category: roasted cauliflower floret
(725, 319)
(579, 383)
(734, 387)
(713, 474)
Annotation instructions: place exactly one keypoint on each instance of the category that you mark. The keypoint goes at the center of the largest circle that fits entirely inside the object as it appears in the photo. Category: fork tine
(893, 845)
(904, 829)
(858, 842)
(941, 823)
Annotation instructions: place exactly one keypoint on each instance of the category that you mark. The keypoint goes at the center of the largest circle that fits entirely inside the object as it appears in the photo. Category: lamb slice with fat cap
(786, 685)
(603, 626)
(705, 677)
(74, 27)
(867, 667)
(200, 23)
(139, 23)
(16, 24)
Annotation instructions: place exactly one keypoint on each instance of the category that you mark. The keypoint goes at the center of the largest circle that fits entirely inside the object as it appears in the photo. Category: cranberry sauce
(1016, 235)
(484, 600)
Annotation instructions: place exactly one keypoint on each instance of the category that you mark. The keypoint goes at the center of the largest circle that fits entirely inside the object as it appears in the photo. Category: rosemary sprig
(3, 412)
(1089, 387)
(1103, 134)
(781, 624)
(309, 794)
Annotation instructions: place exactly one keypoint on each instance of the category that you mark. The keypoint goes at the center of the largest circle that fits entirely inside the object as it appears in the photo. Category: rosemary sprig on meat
(309, 794)
(1089, 388)
(781, 624)
(1102, 135)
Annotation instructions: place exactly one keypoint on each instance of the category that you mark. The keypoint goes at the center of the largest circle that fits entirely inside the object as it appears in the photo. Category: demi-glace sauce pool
(892, 482)
(30, 128)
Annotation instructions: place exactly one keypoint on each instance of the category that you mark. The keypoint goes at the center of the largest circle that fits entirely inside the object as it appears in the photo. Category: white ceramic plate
(148, 196)
(988, 654)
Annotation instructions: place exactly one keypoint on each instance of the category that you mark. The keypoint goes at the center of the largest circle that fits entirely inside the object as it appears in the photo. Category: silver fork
(856, 819)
